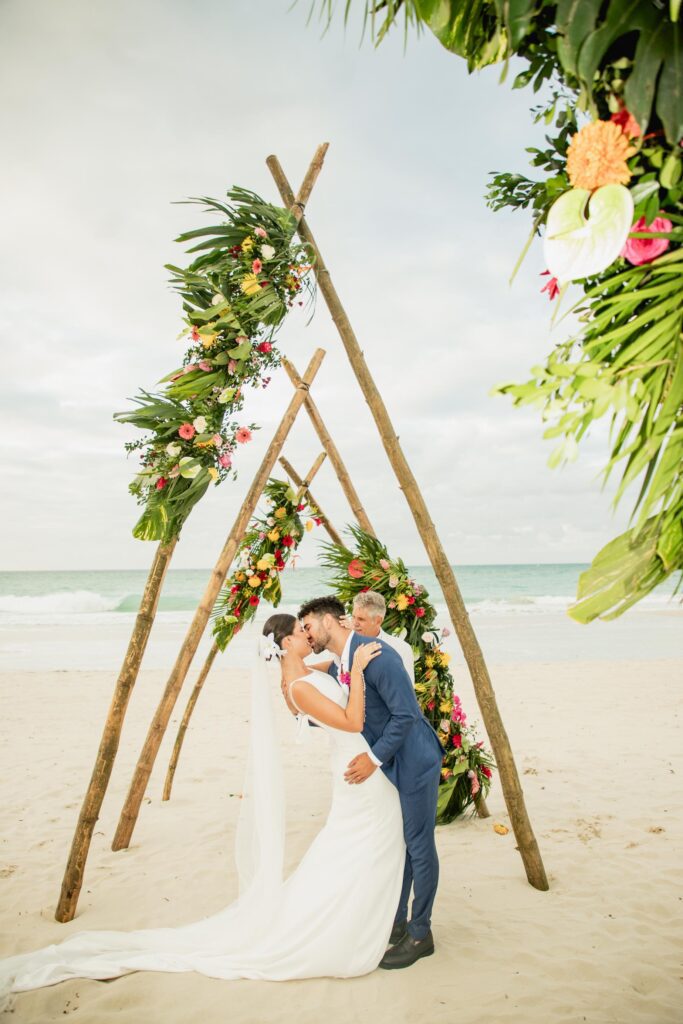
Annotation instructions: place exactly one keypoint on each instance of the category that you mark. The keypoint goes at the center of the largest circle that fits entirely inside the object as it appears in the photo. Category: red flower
(287, 541)
(419, 612)
(318, 522)
(431, 705)
(186, 431)
(457, 740)
(161, 483)
(627, 123)
(486, 771)
(552, 287)
(364, 590)
(356, 568)
(235, 589)
(195, 333)
(256, 266)
(411, 600)
(300, 508)
(253, 600)
(643, 250)
(236, 610)
(264, 347)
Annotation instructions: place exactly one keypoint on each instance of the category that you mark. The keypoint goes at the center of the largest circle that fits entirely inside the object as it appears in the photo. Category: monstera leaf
(585, 233)
(656, 81)
(469, 28)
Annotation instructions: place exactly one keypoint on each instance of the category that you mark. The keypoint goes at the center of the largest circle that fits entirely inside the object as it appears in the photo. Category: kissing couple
(344, 911)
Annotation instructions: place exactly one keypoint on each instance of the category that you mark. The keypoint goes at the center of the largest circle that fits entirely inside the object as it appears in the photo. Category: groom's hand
(360, 769)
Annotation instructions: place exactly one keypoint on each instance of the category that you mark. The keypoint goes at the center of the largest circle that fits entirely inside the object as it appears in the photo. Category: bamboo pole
(143, 770)
(194, 696)
(201, 679)
(335, 458)
(72, 881)
(289, 469)
(486, 698)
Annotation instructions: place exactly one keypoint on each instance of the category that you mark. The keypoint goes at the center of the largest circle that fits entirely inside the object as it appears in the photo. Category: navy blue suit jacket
(395, 729)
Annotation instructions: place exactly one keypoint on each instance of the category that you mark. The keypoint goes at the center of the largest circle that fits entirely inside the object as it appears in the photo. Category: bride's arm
(310, 701)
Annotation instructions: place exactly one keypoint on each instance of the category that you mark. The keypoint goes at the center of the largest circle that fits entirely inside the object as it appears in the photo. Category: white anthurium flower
(428, 638)
(189, 471)
(216, 299)
(267, 252)
(199, 424)
(270, 520)
(173, 449)
(585, 233)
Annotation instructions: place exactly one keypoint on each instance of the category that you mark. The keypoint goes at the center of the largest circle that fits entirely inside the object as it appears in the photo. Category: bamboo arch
(510, 783)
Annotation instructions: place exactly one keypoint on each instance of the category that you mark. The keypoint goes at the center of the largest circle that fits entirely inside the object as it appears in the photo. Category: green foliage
(246, 274)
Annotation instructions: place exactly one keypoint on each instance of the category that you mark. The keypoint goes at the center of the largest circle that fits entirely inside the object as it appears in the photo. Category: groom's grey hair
(372, 602)
(329, 605)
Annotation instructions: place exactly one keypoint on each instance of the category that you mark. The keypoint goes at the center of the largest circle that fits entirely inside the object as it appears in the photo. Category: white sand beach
(597, 744)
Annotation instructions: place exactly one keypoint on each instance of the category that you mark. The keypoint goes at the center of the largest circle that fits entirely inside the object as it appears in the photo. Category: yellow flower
(597, 156)
(250, 285)
(446, 707)
(213, 473)
(265, 562)
(429, 661)
(274, 536)
(239, 576)
(309, 525)
(401, 602)
(280, 513)
(208, 340)
(254, 581)
(420, 688)
(247, 244)
(444, 658)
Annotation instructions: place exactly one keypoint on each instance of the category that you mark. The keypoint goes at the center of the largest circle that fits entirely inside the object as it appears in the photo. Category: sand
(598, 745)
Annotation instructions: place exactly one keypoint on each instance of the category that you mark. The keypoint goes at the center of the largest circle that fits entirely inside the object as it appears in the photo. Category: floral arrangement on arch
(269, 545)
(467, 766)
(246, 274)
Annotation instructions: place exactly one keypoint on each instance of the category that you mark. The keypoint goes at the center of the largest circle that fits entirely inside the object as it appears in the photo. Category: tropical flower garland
(269, 544)
(467, 767)
(248, 273)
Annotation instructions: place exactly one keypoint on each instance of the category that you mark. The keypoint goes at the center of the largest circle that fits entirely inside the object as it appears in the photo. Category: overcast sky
(111, 113)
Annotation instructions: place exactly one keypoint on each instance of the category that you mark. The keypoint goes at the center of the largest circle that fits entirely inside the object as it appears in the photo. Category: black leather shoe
(407, 951)
(397, 932)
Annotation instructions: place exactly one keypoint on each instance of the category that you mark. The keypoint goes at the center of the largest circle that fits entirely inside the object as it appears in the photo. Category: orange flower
(597, 156)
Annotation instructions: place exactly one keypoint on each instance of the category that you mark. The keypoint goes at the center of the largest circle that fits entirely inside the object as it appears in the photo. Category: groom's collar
(345, 654)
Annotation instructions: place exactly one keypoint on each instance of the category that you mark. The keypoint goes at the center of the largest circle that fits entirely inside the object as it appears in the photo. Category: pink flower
(445, 632)
(392, 604)
(264, 347)
(257, 266)
(190, 367)
(474, 782)
(644, 250)
(627, 123)
(261, 536)
(195, 334)
(419, 612)
(205, 365)
(187, 431)
(217, 440)
(356, 568)
(552, 286)
(232, 365)
(225, 461)
(243, 435)
(384, 564)
(457, 740)
(161, 483)
(261, 232)
(174, 473)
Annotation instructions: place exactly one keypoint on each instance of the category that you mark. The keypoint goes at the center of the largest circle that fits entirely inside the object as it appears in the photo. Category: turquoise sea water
(60, 620)
(70, 596)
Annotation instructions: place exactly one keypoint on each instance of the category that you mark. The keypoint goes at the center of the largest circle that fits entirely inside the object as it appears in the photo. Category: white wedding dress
(331, 918)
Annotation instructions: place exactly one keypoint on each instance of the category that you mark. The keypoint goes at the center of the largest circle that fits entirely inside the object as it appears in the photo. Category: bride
(332, 917)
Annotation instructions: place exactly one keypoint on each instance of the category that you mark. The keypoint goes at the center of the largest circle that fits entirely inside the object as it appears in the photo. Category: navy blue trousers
(421, 873)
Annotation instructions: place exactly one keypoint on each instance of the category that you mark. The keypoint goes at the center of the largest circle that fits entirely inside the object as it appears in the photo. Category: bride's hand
(365, 654)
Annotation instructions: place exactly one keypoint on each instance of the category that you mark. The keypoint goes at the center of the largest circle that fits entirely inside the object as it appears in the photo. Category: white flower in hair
(268, 649)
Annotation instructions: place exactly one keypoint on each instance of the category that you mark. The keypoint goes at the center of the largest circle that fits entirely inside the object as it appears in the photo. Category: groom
(407, 749)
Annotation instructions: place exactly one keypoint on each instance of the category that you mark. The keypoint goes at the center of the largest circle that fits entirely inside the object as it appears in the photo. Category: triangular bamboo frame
(510, 783)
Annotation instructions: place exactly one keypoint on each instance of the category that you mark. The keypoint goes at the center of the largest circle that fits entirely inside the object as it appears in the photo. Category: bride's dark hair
(280, 625)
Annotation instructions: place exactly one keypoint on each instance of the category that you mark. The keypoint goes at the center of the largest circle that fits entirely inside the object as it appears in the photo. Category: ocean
(60, 619)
